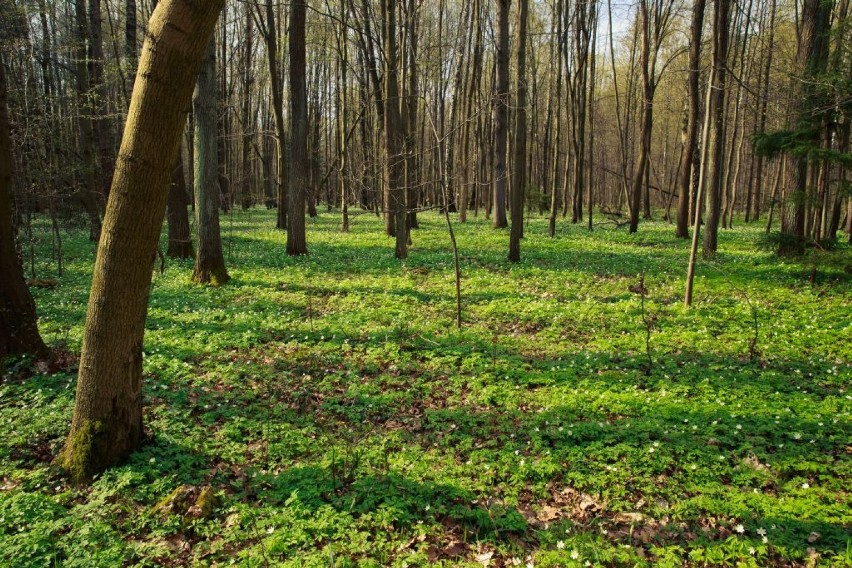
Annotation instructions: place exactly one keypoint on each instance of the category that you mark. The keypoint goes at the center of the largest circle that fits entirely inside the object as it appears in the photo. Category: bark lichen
(80, 455)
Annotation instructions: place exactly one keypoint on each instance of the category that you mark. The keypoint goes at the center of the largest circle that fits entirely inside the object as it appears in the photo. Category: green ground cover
(324, 411)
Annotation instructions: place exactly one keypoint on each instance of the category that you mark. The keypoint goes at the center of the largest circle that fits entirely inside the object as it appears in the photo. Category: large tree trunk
(107, 423)
(210, 262)
(299, 167)
(690, 143)
(501, 115)
(520, 147)
(18, 324)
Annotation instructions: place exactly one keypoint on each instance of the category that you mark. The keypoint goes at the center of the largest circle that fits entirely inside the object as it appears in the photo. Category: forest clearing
(336, 417)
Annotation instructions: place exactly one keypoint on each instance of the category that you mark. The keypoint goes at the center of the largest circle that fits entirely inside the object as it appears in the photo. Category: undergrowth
(341, 419)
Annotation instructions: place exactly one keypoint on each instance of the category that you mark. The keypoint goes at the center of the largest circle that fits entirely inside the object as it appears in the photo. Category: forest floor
(325, 411)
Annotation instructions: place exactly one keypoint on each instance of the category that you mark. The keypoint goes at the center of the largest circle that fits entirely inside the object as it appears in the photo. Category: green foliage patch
(324, 411)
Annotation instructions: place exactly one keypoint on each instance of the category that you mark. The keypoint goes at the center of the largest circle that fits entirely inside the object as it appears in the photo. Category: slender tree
(501, 115)
(520, 146)
(655, 16)
(266, 23)
(716, 119)
(690, 137)
(180, 239)
(394, 131)
(210, 261)
(299, 166)
(557, 137)
(90, 193)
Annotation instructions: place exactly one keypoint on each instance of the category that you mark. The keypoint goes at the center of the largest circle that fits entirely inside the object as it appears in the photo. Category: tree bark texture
(18, 324)
(107, 423)
(210, 262)
(299, 167)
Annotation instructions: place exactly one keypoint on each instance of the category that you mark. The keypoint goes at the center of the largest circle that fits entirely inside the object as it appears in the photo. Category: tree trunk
(18, 323)
(647, 117)
(107, 423)
(690, 143)
(269, 31)
(131, 52)
(812, 55)
(99, 95)
(394, 132)
(210, 262)
(299, 167)
(557, 137)
(756, 193)
(716, 138)
(89, 195)
(501, 115)
(412, 160)
(245, 187)
(180, 239)
(520, 147)
(342, 110)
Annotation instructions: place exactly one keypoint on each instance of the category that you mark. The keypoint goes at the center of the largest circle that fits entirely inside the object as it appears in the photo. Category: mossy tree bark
(107, 423)
(210, 262)
(299, 168)
(18, 325)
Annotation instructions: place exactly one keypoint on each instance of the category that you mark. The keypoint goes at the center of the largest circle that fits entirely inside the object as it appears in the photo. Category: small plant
(648, 320)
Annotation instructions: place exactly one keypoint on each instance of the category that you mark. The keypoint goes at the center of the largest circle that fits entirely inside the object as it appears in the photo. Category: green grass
(342, 420)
